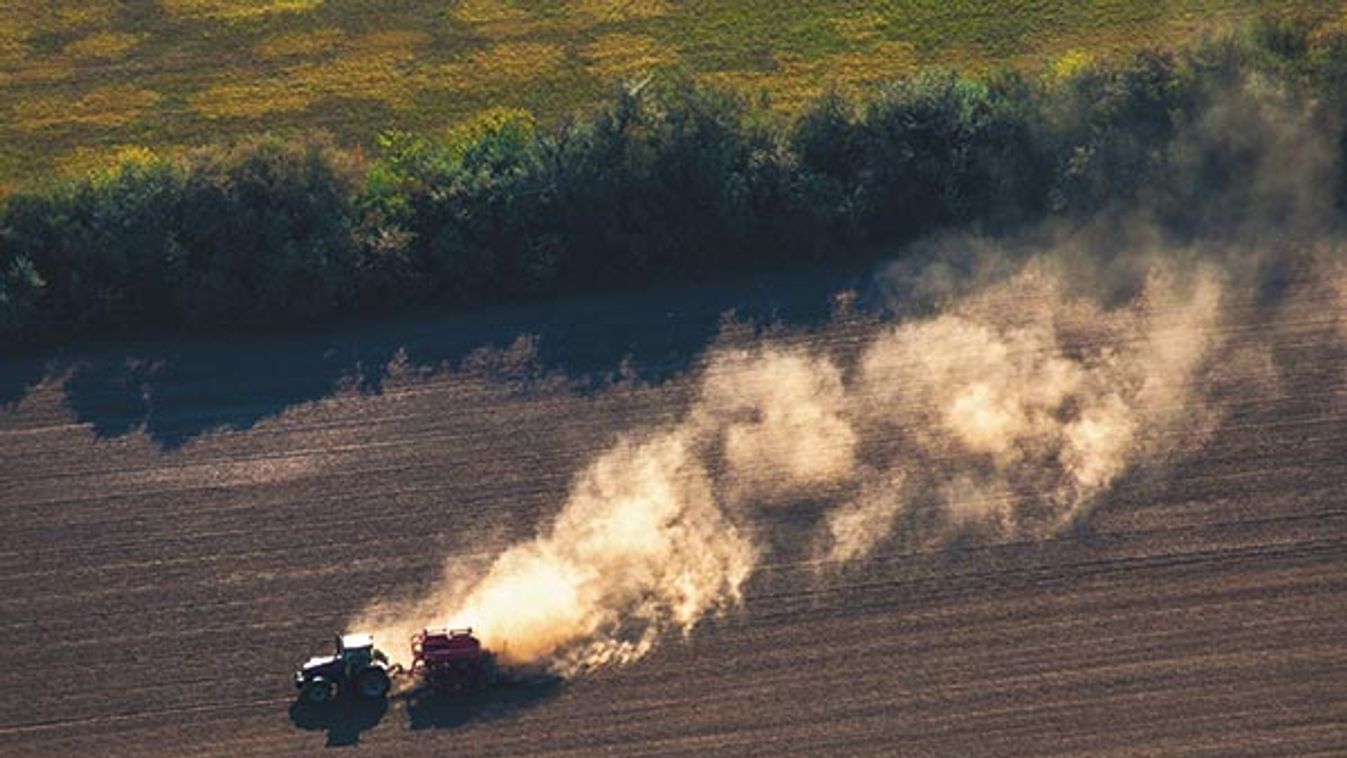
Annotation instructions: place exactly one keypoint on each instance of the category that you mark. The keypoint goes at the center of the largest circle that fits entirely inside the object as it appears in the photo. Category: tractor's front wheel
(318, 691)
(373, 683)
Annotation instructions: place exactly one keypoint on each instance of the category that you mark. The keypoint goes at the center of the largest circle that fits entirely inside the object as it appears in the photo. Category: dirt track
(187, 521)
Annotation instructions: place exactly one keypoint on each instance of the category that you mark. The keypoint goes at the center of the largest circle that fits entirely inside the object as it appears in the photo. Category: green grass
(81, 80)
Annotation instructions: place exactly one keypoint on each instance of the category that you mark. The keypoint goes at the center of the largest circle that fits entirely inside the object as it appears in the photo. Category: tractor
(356, 667)
(443, 660)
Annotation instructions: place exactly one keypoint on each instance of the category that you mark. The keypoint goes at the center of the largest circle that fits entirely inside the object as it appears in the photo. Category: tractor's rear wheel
(373, 683)
(483, 676)
(318, 691)
(483, 673)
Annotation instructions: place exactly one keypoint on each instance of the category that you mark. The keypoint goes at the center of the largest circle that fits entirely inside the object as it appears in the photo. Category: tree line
(672, 182)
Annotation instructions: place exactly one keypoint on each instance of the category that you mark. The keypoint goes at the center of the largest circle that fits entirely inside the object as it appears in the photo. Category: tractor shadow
(344, 719)
(427, 710)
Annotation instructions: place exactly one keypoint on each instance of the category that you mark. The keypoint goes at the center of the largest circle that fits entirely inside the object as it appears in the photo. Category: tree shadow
(17, 379)
(344, 719)
(428, 710)
(176, 389)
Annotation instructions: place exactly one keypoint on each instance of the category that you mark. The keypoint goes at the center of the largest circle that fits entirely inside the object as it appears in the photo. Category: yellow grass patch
(616, 11)
(20, 20)
(1069, 64)
(863, 26)
(622, 55)
(12, 47)
(44, 71)
(381, 76)
(506, 63)
(789, 82)
(1104, 43)
(70, 13)
(28, 17)
(501, 20)
(237, 10)
(250, 99)
(405, 41)
(102, 162)
(517, 61)
(1330, 29)
(794, 81)
(487, 12)
(299, 44)
(380, 66)
(853, 72)
(102, 46)
(105, 106)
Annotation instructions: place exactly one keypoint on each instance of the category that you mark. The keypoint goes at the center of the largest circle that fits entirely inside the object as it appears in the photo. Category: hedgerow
(672, 182)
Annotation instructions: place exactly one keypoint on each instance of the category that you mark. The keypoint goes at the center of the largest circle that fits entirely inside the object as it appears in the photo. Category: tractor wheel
(373, 683)
(485, 674)
(318, 691)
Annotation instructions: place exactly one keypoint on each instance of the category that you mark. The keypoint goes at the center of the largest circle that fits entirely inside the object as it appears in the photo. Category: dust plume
(782, 417)
(1016, 407)
(1008, 411)
(649, 539)
(641, 546)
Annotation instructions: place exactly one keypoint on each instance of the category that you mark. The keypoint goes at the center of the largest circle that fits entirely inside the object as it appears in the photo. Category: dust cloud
(1014, 409)
(1009, 411)
(640, 546)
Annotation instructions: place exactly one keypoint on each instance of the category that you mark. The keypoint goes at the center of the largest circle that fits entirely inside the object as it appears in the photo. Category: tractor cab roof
(356, 641)
(319, 661)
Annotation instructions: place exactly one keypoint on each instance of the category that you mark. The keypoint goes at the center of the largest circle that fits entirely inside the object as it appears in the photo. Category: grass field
(83, 80)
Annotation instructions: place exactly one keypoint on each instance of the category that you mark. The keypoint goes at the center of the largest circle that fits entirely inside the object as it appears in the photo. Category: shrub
(266, 233)
(100, 247)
